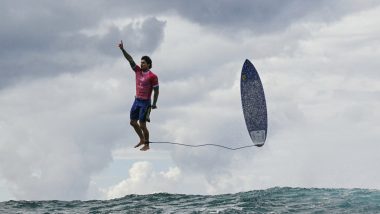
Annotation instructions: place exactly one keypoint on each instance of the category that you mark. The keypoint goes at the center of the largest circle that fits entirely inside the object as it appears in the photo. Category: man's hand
(126, 55)
(121, 46)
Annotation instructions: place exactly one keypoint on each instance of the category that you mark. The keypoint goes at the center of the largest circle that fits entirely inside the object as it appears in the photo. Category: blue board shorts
(140, 110)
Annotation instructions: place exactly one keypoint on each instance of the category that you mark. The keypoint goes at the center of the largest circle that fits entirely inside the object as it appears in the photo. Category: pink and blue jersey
(145, 82)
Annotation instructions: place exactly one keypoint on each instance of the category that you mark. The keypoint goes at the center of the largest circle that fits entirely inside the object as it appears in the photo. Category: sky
(66, 91)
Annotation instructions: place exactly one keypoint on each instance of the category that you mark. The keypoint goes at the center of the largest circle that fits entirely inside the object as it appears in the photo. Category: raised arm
(126, 55)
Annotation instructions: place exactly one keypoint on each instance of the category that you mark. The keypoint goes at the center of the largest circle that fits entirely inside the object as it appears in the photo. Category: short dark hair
(147, 60)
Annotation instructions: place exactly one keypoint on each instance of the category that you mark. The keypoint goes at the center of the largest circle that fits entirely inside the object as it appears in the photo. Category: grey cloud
(260, 16)
(35, 26)
(44, 38)
(50, 148)
(141, 37)
(67, 50)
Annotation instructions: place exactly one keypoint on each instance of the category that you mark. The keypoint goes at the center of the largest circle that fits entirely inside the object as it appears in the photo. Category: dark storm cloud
(143, 38)
(258, 16)
(42, 38)
(45, 39)
(34, 26)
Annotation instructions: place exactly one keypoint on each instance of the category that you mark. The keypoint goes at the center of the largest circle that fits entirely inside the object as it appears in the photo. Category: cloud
(55, 133)
(143, 179)
(321, 110)
(259, 16)
(60, 127)
(46, 39)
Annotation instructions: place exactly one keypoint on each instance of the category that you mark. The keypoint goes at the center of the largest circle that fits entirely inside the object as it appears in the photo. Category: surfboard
(253, 104)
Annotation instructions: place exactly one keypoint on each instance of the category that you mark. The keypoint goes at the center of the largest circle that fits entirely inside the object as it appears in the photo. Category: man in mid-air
(146, 82)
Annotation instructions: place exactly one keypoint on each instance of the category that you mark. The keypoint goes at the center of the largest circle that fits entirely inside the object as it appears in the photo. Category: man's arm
(155, 97)
(126, 55)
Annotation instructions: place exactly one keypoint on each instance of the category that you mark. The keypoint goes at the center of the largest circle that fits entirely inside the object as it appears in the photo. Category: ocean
(273, 200)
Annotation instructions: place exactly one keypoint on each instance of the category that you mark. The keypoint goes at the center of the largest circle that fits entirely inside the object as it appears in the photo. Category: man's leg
(145, 132)
(139, 132)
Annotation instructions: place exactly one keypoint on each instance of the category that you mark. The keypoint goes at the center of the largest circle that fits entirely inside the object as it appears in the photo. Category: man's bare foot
(146, 147)
(140, 144)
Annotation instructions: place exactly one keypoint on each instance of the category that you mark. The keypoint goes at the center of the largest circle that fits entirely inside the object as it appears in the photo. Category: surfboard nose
(247, 62)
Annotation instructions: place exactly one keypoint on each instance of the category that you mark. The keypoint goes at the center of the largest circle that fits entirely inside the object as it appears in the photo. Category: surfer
(146, 82)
